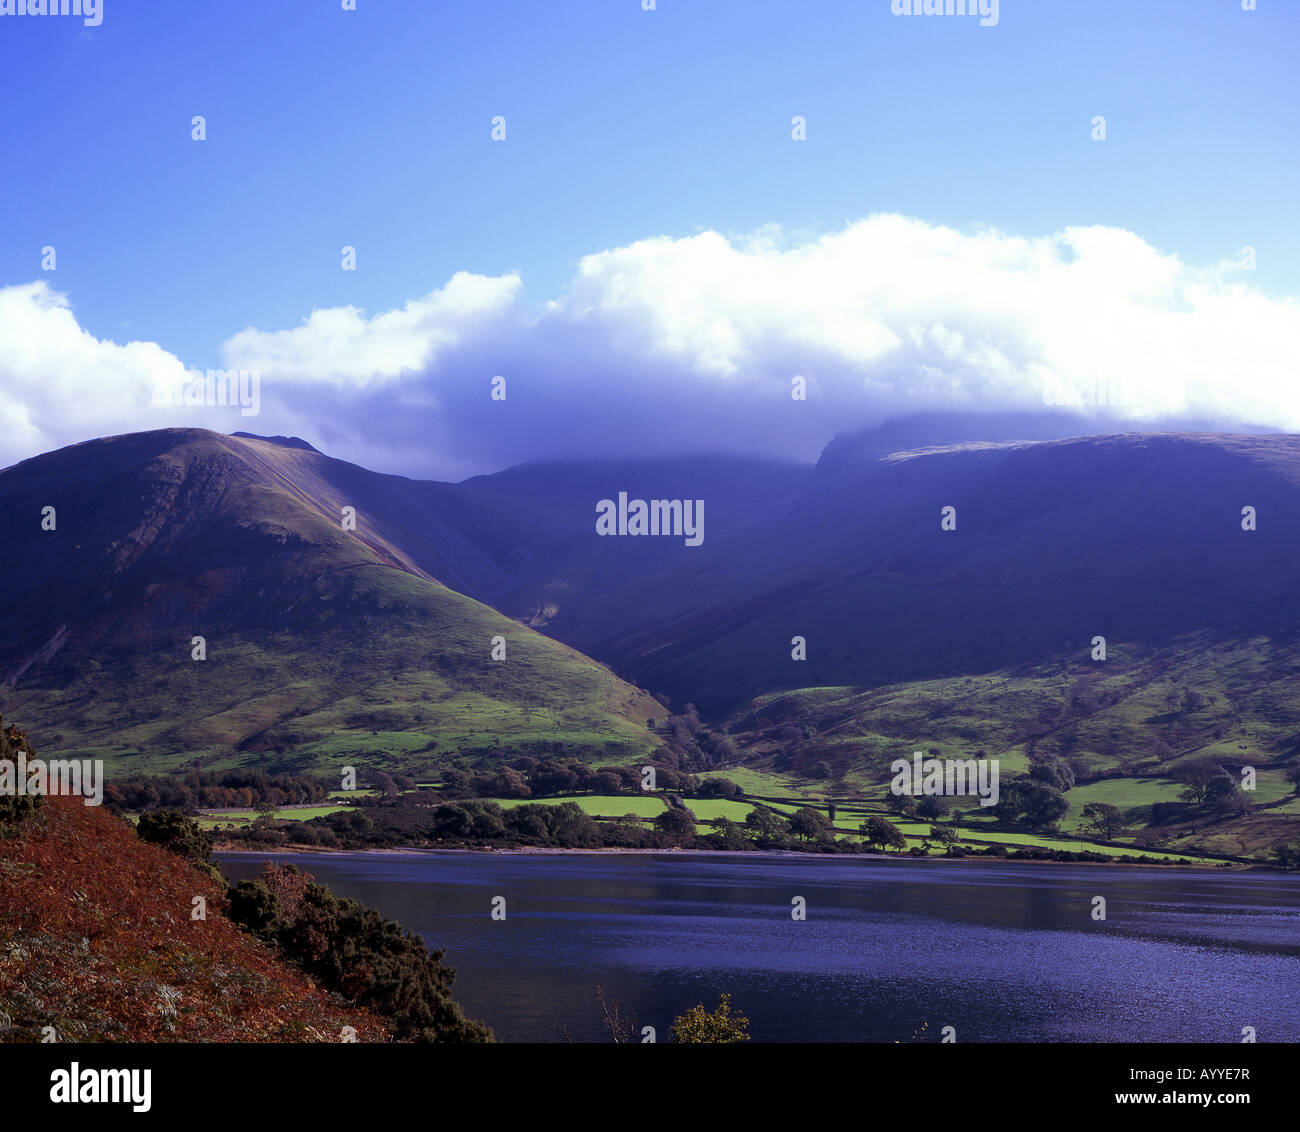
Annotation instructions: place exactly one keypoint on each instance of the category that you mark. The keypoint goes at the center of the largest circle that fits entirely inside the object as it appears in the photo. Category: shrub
(352, 950)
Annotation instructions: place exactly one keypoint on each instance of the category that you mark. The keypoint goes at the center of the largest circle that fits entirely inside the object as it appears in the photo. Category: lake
(889, 950)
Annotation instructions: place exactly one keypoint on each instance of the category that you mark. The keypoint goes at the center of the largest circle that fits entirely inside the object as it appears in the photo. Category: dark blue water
(890, 951)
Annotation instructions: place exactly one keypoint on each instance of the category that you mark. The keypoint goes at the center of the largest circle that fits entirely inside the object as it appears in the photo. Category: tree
(16, 808)
(944, 834)
(728, 835)
(932, 806)
(1293, 775)
(1286, 854)
(571, 826)
(621, 1027)
(1033, 804)
(881, 833)
(552, 778)
(454, 781)
(809, 824)
(721, 1026)
(606, 783)
(451, 821)
(767, 826)
(510, 784)
(677, 823)
(1224, 796)
(1103, 819)
(1196, 776)
(903, 804)
(1053, 773)
(526, 823)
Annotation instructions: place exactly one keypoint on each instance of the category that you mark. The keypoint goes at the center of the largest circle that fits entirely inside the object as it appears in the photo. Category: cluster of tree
(237, 789)
(343, 946)
(460, 823)
(932, 807)
(690, 746)
(528, 777)
(1286, 854)
(1206, 783)
(479, 822)
(1036, 800)
(474, 823)
(1032, 801)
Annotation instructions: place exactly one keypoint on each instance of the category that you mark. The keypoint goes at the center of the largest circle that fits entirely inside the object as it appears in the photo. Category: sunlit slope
(322, 644)
(1125, 726)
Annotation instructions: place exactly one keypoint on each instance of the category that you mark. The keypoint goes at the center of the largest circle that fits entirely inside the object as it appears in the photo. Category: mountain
(1138, 538)
(324, 645)
(328, 646)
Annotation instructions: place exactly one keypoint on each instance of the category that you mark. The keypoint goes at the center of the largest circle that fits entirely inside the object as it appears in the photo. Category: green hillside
(324, 646)
(1125, 727)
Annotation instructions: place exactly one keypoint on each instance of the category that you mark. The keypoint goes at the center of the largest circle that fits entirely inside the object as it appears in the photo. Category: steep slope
(1137, 538)
(542, 523)
(112, 953)
(323, 645)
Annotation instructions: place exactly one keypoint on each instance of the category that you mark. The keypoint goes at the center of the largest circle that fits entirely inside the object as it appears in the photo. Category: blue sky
(372, 129)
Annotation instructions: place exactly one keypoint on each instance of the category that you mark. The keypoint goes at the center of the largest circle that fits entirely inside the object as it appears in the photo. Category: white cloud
(59, 383)
(679, 344)
(341, 346)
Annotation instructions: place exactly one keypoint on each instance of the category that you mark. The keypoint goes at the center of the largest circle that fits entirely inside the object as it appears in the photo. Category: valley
(411, 628)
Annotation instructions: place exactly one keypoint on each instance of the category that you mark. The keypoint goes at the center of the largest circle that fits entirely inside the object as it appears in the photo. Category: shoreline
(545, 851)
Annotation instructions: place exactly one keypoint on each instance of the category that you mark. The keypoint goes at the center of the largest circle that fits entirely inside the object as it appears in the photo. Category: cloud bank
(686, 344)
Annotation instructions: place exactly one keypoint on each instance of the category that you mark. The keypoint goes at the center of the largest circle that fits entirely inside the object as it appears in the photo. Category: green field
(706, 809)
(243, 817)
(597, 805)
(753, 781)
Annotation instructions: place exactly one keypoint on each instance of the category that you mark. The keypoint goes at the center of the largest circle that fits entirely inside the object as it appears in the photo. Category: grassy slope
(95, 952)
(404, 696)
(326, 646)
(1131, 719)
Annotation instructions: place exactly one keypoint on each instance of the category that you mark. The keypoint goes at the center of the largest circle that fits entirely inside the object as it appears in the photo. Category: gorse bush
(341, 945)
(16, 809)
(719, 1027)
(180, 835)
(351, 949)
